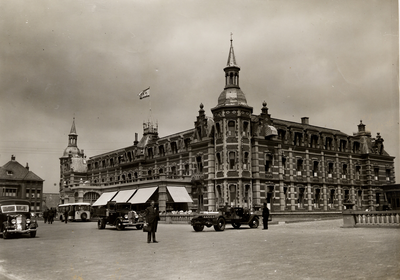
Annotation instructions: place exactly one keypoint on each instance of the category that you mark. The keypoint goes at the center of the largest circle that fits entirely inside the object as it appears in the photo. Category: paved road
(306, 250)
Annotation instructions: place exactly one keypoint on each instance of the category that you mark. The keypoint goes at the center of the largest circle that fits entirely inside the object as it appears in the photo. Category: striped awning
(179, 194)
(124, 196)
(104, 198)
(142, 195)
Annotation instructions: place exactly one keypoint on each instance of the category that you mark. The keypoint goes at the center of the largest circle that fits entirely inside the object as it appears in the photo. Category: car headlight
(126, 216)
(13, 221)
(28, 221)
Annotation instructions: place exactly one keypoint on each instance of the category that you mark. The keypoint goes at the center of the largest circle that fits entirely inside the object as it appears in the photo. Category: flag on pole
(145, 93)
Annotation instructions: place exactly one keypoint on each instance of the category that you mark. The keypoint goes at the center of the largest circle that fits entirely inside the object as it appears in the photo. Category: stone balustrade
(371, 218)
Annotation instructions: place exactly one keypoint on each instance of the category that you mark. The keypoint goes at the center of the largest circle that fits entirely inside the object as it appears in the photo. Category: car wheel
(83, 217)
(254, 223)
(220, 226)
(6, 235)
(119, 225)
(198, 227)
(32, 234)
(139, 226)
(236, 225)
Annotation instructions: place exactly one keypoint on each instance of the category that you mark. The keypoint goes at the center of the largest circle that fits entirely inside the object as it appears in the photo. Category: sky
(336, 62)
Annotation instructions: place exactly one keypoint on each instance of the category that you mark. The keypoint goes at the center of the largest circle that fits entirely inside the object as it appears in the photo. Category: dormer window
(9, 172)
(388, 174)
(356, 147)
(376, 173)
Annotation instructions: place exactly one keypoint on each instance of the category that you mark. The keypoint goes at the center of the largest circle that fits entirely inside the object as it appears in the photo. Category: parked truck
(236, 216)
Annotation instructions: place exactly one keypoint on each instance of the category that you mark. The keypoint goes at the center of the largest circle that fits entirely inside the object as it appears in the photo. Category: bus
(78, 211)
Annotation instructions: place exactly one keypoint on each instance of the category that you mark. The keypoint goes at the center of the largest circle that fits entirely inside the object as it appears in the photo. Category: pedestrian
(152, 218)
(51, 215)
(45, 215)
(66, 214)
(265, 215)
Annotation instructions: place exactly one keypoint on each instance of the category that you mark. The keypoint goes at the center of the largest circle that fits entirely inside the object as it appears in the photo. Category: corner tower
(232, 140)
(73, 166)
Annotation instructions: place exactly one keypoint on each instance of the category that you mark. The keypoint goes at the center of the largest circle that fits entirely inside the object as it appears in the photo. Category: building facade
(239, 157)
(16, 181)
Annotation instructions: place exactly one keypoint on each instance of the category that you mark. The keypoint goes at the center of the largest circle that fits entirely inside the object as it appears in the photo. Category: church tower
(232, 140)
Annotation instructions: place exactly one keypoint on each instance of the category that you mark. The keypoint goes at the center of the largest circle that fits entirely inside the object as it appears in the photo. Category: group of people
(49, 214)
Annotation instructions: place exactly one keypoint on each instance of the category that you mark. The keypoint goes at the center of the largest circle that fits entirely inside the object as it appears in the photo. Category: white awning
(104, 198)
(179, 194)
(142, 195)
(124, 196)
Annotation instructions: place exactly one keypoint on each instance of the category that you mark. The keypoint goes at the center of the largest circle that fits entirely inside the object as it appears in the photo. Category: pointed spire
(231, 57)
(73, 129)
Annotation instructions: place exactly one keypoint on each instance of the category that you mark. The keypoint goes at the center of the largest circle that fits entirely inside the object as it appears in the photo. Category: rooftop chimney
(304, 120)
(12, 157)
(27, 166)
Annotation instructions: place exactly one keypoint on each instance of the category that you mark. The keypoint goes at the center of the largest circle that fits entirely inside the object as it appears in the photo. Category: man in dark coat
(66, 214)
(45, 215)
(152, 218)
(265, 215)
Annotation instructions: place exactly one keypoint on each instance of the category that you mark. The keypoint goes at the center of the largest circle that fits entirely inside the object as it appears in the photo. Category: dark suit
(265, 215)
(152, 218)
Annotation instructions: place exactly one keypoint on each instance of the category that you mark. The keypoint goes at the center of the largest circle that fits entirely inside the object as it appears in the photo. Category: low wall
(170, 218)
(371, 218)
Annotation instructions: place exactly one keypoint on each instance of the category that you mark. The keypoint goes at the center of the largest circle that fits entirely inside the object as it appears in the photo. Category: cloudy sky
(335, 62)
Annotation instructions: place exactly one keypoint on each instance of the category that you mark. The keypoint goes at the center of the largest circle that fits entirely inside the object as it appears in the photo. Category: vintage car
(16, 218)
(118, 214)
(236, 216)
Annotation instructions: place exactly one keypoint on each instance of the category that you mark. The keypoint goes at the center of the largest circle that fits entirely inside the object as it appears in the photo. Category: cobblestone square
(305, 250)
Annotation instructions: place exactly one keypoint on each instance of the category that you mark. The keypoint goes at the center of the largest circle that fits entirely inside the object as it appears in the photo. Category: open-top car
(236, 216)
(118, 214)
(16, 218)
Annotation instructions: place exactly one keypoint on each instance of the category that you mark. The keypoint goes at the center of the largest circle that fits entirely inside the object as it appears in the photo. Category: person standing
(152, 218)
(265, 215)
(66, 214)
(45, 215)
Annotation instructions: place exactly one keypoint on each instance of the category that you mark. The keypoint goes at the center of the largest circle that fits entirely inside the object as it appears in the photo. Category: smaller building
(16, 181)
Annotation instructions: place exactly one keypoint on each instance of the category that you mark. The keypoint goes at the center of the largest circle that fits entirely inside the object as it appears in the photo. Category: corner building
(243, 159)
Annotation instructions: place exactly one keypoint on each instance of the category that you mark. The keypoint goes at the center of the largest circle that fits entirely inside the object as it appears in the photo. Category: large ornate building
(237, 157)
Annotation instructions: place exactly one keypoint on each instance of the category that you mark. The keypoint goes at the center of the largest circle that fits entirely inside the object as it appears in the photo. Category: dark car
(16, 218)
(118, 214)
(236, 216)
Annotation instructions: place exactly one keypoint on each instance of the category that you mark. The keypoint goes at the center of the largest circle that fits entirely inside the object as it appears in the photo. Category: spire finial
(231, 57)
